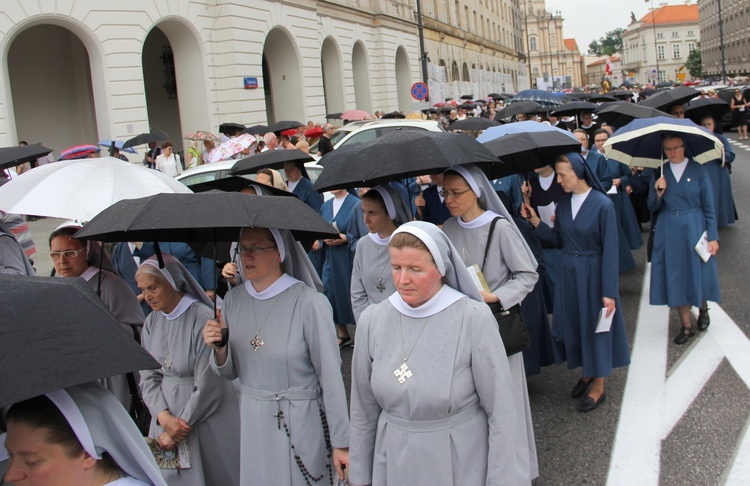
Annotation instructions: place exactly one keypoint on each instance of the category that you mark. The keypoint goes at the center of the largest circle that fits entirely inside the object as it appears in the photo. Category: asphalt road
(704, 442)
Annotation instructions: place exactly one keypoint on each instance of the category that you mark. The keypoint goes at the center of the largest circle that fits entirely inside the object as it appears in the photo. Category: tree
(694, 63)
(608, 45)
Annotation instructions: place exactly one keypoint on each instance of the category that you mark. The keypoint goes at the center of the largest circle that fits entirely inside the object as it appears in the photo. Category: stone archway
(361, 76)
(403, 81)
(333, 85)
(282, 78)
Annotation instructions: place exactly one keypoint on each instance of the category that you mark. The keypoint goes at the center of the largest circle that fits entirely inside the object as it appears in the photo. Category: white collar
(582, 195)
(185, 302)
(445, 297)
(89, 272)
(481, 220)
(280, 285)
(377, 239)
(586, 127)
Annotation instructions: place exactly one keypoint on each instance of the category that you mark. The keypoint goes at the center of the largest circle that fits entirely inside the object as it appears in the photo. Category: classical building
(77, 71)
(735, 16)
(656, 47)
(555, 62)
(596, 71)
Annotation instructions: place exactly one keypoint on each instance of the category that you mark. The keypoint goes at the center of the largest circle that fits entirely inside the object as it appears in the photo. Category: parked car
(726, 94)
(218, 170)
(364, 131)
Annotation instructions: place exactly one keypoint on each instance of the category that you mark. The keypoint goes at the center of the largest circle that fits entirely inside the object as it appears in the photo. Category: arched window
(532, 43)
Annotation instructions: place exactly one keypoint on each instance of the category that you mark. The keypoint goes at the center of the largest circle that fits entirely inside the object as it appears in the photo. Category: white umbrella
(81, 189)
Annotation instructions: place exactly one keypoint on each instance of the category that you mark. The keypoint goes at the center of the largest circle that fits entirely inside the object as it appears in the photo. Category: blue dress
(435, 210)
(511, 186)
(338, 262)
(588, 272)
(678, 274)
(314, 199)
(721, 184)
(598, 165)
(628, 231)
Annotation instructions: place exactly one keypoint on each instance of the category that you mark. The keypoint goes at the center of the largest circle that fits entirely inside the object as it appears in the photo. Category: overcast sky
(586, 20)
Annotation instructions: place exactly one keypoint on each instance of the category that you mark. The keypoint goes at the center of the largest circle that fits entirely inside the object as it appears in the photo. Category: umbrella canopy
(206, 217)
(334, 116)
(466, 106)
(230, 128)
(256, 130)
(398, 155)
(272, 159)
(314, 132)
(118, 144)
(699, 108)
(231, 147)
(19, 154)
(284, 125)
(236, 184)
(201, 136)
(81, 189)
(62, 337)
(79, 152)
(574, 108)
(473, 123)
(517, 107)
(394, 115)
(664, 99)
(621, 94)
(467, 97)
(544, 98)
(601, 98)
(619, 114)
(144, 138)
(520, 127)
(355, 115)
(526, 151)
(639, 143)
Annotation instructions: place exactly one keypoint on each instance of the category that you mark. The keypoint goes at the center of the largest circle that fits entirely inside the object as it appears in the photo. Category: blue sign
(250, 83)
(419, 91)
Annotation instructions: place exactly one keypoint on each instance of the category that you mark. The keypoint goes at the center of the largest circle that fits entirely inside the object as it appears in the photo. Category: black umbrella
(467, 97)
(664, 99)
(574, 108)
(447, 109)
(256, 130)
(601, 98)
(271, 159)
(17, 155)
(393, 115)
(236, 184)
(619, 114)
(496, 96)
(523, 152)
(517, 107)
(61, 337)
(699, 108)
(334, 116)
(467, 106)
(473, 123)
(621, 94)
(230, 129)
(398, 155)
(284, 125)
(144, 138)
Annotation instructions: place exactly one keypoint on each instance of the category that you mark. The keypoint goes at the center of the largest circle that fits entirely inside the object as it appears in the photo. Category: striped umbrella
(79, 152)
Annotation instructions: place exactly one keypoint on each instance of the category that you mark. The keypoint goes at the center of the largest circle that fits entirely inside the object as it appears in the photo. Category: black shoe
(581, 387)
(685, 334)
(588, 403)
(704, 320)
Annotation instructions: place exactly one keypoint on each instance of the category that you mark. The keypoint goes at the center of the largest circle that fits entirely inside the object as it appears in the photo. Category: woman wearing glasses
(684, 200)
(294, 427)
(509, 267)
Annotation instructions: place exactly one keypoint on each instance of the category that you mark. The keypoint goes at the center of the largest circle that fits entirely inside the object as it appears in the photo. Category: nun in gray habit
(371, 273)
(185, 390)
(431, 401)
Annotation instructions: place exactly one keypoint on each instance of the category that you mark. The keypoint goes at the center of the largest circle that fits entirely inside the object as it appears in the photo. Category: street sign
(652, 75)
(420, 105)
(250, 83)
(681, 76)
(419, 91)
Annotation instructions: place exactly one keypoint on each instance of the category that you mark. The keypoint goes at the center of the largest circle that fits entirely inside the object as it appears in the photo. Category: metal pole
(528, 44)
(721, 40)
(422, 54)
(656, 48)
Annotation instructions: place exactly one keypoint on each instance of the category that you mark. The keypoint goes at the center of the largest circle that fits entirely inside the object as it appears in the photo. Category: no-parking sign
(419, 91)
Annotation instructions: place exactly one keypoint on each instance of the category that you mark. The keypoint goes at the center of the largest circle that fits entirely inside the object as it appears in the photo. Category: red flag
(608, 67)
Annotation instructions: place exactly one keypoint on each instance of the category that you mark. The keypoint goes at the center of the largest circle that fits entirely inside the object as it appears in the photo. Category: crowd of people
(435, 396)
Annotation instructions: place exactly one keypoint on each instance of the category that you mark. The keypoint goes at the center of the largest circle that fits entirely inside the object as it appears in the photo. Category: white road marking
(655, 399)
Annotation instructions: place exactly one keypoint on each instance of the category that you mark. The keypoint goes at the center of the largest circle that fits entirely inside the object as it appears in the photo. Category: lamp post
(721, 46)
(422, 54)
(656, 48)
(528, 44)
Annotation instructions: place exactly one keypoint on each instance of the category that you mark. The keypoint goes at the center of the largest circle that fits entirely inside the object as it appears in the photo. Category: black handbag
(509, 321)
(139, 412)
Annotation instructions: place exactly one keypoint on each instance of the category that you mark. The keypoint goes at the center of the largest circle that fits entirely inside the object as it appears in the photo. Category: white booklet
(612, 190)
(702, 247)
(546, 213)
(604, 323)
(478, 278)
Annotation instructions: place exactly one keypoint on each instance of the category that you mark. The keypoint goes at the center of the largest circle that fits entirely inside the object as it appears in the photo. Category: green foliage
(694, 64)
(608, 45)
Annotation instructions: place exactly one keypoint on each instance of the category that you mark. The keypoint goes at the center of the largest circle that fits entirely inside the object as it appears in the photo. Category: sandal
(685, 334)
(345, 341)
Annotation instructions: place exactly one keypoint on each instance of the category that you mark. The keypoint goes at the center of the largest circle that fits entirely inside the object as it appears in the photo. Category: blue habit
(721, 184)
(598, 165)
(678, 274)
(588, 272)
(628, 229)
(338, 260)
(314, 199)
(435, 211)
(126, 266)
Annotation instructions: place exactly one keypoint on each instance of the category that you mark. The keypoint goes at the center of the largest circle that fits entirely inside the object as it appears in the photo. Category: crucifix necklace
(403, 373)
(257, 342)
(168, 338)
(381, 286)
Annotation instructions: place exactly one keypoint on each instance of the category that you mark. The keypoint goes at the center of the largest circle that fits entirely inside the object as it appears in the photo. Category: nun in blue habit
(721, 183)
(586, 231)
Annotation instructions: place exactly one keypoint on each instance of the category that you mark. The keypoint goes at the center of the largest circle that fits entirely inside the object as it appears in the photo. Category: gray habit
(191, 391)
(450, 423)
(13, 260)
(510, 275)
(372, 262)
(298, 362)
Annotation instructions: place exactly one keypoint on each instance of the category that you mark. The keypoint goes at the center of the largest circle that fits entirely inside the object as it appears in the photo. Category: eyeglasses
(253, 250)
(673, 149)
(56, 255)
(453, 194)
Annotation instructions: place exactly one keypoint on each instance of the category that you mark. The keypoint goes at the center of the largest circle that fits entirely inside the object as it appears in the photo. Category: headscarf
(394, 205)
(177, 276)
(101, 425)
(583, 171)
(96, 256)
(278, 181)
(489, 200)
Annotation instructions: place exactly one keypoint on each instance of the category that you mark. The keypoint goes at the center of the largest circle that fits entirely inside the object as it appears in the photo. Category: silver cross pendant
(403, 373)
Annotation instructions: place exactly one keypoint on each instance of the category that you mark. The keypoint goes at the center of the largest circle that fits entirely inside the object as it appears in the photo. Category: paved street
(677, 415)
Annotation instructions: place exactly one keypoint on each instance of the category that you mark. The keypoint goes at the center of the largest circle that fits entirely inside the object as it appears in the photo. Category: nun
(586, 232)
(294, 425)
(484, 233)
(719, 175)
(383, 211)
(430, 378)
(187, 401)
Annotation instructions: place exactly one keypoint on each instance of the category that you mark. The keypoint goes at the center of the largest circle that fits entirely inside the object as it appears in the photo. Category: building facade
(554, 61)
(735, 16)
(596, 71)
(656, 47)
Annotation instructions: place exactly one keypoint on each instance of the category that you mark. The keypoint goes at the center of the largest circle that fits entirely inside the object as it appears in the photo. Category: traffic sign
(420, 105)
(652, 75)
(419, 91)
